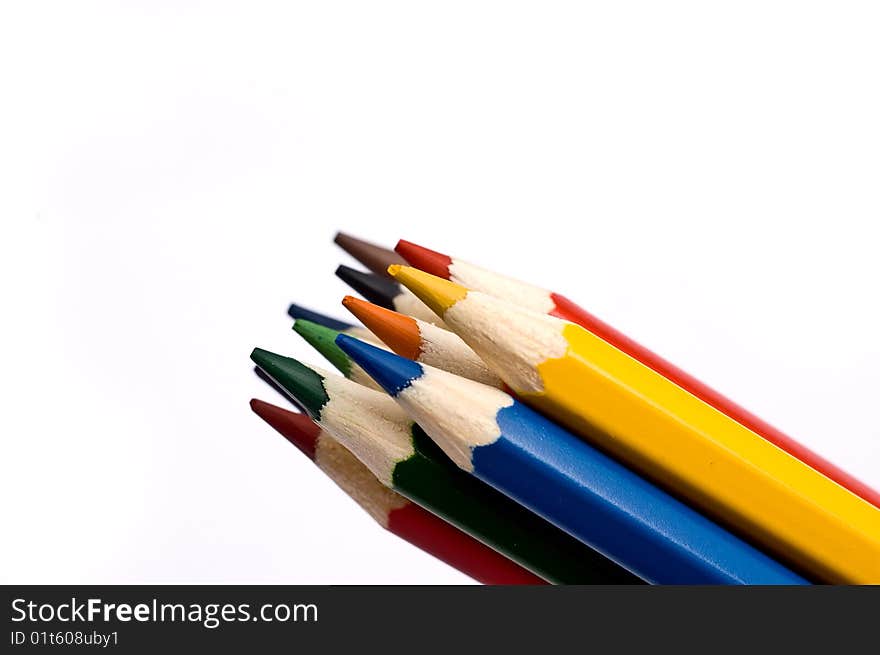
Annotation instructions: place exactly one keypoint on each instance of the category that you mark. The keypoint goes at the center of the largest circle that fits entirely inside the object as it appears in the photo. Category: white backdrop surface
(703, 177)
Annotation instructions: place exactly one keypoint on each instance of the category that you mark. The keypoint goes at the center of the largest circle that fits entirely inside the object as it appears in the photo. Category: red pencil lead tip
(429, 261)
(298, 429)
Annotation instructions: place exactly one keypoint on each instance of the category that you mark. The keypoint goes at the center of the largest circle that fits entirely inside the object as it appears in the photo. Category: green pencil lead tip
(262, 357)
(323, 339)
(300, 382)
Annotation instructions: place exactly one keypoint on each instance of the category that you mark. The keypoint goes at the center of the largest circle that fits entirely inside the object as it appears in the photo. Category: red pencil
(548, 302)
(391, 510)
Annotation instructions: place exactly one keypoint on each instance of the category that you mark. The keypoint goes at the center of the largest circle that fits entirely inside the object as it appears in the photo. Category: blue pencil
(563, 479)
(298, 311)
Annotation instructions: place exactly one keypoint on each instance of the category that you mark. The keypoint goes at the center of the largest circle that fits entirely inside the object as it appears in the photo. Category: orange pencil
(422, 342)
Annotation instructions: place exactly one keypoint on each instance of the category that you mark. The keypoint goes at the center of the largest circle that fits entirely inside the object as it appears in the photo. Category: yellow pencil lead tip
(435, 292)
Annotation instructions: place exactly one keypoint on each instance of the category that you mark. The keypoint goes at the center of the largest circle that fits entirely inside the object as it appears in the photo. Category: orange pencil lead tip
(398, 331)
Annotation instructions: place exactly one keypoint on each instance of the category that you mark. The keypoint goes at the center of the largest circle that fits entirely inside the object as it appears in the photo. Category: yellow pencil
(665, 432)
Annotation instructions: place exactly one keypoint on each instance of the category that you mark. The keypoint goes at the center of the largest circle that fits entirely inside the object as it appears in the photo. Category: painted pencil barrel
(542, 300)
(705, 456)
(666, 433)
(569, 311)
(618, 513)
(430, 480)
(572, 485)
(458, 549)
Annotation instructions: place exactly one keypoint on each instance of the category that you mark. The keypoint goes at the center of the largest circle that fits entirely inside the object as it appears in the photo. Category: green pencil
(323, 339)
(401, 456)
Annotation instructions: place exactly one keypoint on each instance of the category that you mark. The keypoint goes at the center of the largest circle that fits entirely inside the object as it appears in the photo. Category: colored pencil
(299, 312)
(558, 476)
(387, 293)
(391, 510)
(323, 339)
(421, 342)
(548, 302)
(660, 429)
(376, 258)
(279, 390)
(385, 439)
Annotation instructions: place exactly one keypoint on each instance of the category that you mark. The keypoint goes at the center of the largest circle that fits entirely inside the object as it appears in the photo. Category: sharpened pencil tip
(323, 339)
(398, 331)
(374, 257)
(435, 292)
(298, 311)
(379, 290)
(424, 259)
(260, 357)
(300, 382)
(260, 373)
(393, 372)
(298, 429)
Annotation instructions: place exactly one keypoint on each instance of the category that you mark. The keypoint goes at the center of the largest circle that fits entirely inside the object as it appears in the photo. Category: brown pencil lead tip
(374, 257)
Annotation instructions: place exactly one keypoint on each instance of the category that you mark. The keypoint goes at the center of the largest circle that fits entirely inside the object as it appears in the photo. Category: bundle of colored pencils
(512, 434)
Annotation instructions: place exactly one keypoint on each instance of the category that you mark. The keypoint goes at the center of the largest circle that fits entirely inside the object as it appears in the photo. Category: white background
(704, 176)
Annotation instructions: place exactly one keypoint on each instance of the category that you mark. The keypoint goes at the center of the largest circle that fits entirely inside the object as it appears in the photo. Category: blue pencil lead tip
(393, 372)
(298, 311)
